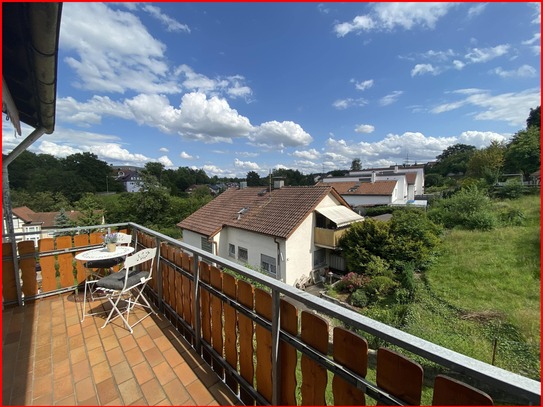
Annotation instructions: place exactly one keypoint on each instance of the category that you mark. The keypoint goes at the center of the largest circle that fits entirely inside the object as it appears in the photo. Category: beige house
(289, 233)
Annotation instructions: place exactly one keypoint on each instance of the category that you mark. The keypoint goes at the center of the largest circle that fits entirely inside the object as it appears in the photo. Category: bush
(351, 282)
(378, 210)
(470, 208)
(378, 267)
(512, 189)
(380, 286)
(359, 298)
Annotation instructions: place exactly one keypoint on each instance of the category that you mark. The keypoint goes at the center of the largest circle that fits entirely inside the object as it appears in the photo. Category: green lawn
(484, 287)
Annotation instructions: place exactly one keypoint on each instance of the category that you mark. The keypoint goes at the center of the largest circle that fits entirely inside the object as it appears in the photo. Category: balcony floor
(50, 358)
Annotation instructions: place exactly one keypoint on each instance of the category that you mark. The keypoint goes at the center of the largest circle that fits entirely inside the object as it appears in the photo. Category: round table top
(102, 253)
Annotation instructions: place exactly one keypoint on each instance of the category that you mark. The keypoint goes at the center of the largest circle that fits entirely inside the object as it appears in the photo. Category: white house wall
(256, 244)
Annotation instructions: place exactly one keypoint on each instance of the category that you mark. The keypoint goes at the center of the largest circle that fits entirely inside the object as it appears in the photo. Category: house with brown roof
(368, 193)
(25, 220)
(288, 232)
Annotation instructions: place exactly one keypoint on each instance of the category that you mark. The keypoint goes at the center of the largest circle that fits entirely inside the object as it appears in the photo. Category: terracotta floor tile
(76, 341)
(176, 392)
(81, 370)
(134, 356)
(43, 367)
(42, 385)
(145, 343)
(122, 372)
(173, 357)
(152, 390)
(93, 401)
(153, 356)
(101, 372)
(45, 400)
(130, 391)
(143, 372)
(96, 356)
(68, 401)
(107, 391)
(84, 390)
(164, 372)
(63, 388)
(116, 402)
(128, 342)
(78, 354)
(199, 393)
(140, 402)
(115, 356)
(185, 374)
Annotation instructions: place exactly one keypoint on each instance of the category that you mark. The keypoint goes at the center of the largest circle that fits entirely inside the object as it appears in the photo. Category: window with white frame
(267, 263)
(232, 250)
(243, 254)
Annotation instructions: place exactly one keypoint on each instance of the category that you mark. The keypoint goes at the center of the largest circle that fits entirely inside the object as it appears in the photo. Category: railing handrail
(495, 376)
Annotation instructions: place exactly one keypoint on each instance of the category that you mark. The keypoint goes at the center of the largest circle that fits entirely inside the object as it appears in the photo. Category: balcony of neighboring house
(328, 238)
(223, 335)
(331, 224)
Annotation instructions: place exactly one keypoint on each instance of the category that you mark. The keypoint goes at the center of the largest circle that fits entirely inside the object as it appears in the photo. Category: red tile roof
(411, 177)
(46, 219)
(276, 214)
(363, 188)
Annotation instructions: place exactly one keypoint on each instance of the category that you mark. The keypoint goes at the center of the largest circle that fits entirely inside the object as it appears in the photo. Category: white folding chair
(127, 286)
(123, 239)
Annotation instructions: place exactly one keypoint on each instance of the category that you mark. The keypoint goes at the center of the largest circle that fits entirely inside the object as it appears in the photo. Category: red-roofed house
(42, 223)
(287, 233)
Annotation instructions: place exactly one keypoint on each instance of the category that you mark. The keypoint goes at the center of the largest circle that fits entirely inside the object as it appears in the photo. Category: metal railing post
(275, 331)
(196, 305)
(160, 304)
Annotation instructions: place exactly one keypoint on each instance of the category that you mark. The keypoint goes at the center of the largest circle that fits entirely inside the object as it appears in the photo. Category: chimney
(372, 177)
(243, 184)
(278, 183)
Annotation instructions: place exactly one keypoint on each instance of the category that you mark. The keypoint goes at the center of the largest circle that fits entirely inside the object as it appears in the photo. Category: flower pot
(111, 247)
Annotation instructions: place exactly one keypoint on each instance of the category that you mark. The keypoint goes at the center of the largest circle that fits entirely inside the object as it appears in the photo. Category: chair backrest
(123, 238)
(140, 257)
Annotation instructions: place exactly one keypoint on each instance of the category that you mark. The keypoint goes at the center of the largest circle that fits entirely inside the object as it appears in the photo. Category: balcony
(328, 238)
(219, 338)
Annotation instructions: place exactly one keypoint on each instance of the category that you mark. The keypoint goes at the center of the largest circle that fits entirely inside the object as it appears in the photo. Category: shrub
(470, 208)
(380, 286)
(511, 217)
(359, 298)
(378, 267)
(351, 282)
(512, 189)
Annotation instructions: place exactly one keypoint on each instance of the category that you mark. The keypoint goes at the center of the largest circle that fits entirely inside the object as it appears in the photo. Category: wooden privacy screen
(58, 270)
(247, 346)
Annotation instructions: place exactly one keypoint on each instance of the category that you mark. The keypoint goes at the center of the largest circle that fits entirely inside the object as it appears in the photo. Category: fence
(263, 346)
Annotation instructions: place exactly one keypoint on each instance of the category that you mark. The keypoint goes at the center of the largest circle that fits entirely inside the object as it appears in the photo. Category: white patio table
(101, 253)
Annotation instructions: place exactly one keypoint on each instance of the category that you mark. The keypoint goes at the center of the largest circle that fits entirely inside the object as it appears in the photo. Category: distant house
(396, 185)
(41, 223)
(287, 233)
(130, 177)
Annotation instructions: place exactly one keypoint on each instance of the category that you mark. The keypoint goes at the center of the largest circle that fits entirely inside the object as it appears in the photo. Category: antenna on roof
(270, 184)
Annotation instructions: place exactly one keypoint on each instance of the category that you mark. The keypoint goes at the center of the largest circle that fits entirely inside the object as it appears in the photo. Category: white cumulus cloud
(364, 128)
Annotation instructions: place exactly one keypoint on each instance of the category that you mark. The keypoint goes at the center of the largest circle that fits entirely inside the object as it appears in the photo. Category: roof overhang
(340, 215)
(30, 36)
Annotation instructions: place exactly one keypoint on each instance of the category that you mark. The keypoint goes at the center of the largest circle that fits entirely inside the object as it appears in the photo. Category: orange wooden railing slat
(288, 355)
(48, 272)
(451, 392)
(351, 351)
(9, 289)
(230, 328)
(263, 307)
(246, 332)
(314, 376)
(28, 267)
(399, 376)
(65, 262)
(216, 319)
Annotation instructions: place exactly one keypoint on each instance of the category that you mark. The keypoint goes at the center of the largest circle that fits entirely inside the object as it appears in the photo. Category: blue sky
(239, 87)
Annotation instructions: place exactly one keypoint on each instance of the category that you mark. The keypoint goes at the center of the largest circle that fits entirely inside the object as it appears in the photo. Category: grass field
(485, 290)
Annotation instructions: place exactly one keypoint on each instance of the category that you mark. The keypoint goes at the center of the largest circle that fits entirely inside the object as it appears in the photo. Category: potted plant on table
(110, 240)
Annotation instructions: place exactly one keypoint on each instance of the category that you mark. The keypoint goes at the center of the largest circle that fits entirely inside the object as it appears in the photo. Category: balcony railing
(245, 326)
(328, 237)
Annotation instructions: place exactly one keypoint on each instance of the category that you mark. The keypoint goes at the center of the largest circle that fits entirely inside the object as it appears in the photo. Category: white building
(288, 233)
(396, 185)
